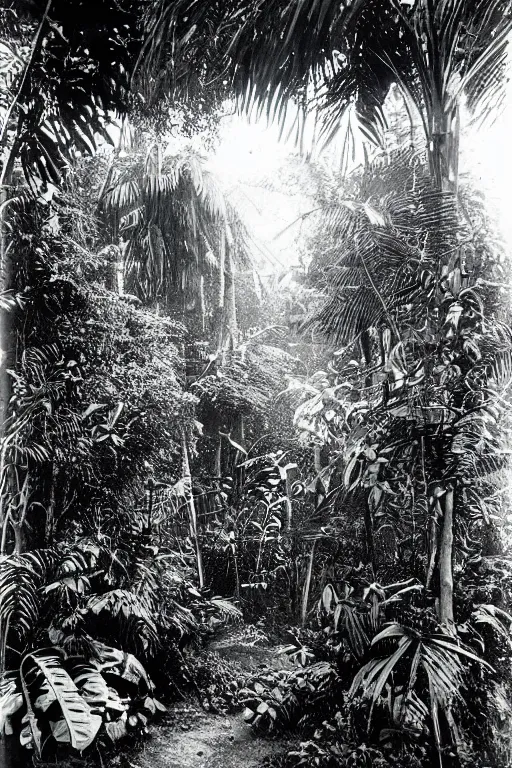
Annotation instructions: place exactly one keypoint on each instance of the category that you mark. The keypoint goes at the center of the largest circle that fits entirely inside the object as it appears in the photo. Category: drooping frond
(21, 577)
(177, 222)
(343, 56)
(75, 78)
(133, 615)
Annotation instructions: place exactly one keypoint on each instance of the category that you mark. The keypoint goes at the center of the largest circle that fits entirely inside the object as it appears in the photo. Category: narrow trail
(190, 737)
(203, 740)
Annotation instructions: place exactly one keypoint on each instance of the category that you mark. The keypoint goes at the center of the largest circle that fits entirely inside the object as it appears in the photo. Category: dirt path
(191, 738)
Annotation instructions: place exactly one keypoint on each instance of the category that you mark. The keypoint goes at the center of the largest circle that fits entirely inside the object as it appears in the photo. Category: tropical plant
(45, 122)
(72, 685)
(433, 53)
(346, 58)
(405, 423)
(437, 656)
(82, 391)
(183, 237)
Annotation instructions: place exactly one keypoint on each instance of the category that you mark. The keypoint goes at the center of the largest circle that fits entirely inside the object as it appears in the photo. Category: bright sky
(489, 159)
(249, 156)
(249, 153)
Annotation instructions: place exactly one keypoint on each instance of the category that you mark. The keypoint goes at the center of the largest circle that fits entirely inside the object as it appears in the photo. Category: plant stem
(14, 102)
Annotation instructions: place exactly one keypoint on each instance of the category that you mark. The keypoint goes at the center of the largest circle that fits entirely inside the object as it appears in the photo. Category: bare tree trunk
(307, 585)
(289, 508)
(445, 563)
(202, 301)
(50, 512)
(368, 530)
(437, 513)
(222, 294)
(218, 459)
(317, 463)
(7, 360)
(187, 477)
(444, 165)
(232, 323)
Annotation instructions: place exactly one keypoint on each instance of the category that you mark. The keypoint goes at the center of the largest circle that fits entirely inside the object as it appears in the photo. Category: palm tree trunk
(436, 515)
(232, 324)
(444, 161)
(443, 144)
(222, 293)
(218, 459)
(289, 508)
(202, 301)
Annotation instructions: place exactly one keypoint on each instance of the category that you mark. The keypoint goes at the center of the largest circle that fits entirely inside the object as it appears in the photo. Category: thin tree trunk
(202, 301)
(317, 463)
(368, 530)
(187, 477)
(50, 512)
(232, 324)
(444, 157)
(446, 564)
(218, 459)
(7, 362)
(222, 293)
(120, 281)
(307, 585)
(289, 508)
(437, 514)
(237, 574)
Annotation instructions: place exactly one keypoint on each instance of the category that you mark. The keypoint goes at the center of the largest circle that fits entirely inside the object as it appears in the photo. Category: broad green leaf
(81, 724)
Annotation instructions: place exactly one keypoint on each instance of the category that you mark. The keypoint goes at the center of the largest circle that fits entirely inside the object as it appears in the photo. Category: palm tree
(376, 241)
(183, 239)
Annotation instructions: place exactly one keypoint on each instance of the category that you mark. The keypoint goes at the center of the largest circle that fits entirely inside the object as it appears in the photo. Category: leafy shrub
(55, 699)
(64, 684)
(278, 700)
(399, 690)
(217, 681)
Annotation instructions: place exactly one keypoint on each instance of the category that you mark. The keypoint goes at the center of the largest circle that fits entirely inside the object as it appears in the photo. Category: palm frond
(21, 578)
(177, 221)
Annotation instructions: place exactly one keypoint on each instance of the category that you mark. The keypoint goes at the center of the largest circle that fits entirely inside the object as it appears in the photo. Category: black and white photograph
(255, 384)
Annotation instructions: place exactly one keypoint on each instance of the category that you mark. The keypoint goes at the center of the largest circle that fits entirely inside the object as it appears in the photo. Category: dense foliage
(188, 442)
